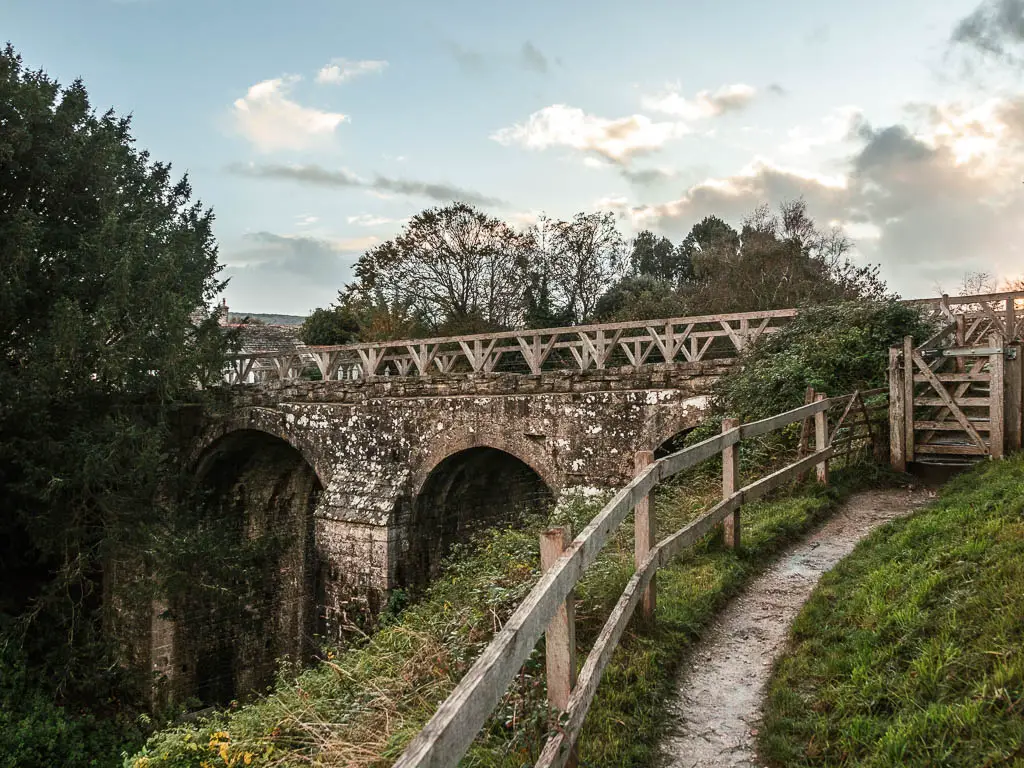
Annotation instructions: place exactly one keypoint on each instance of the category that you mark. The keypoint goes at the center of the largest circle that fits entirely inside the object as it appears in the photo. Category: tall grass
(911, 652)
(360, 707)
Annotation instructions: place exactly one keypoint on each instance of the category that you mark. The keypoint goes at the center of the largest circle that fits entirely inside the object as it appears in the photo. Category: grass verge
(360, 707)
(911, 651)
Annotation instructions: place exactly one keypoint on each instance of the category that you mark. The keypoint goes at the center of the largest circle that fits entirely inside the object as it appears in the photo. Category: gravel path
(717, 704)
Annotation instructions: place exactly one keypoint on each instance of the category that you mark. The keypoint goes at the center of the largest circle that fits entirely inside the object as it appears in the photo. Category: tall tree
(640, 297)
(777, 260)
(330, 325)
(588, 257)
(541, 304)
(458, 266)
(710, 240)
(108, 271)
(654, 256)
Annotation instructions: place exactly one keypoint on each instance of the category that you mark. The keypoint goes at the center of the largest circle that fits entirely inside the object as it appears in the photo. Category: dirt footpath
(718, 700)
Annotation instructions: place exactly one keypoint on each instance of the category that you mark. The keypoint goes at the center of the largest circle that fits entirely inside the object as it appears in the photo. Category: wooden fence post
(908, 396)
(1014, 400)
(730, 481)
(897, 435)
(560, 636)
(805, 433)
(996, 393)
(821, 438)
(645, 535)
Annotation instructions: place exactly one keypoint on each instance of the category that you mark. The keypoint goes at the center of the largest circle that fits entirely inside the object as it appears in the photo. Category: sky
(314, 129)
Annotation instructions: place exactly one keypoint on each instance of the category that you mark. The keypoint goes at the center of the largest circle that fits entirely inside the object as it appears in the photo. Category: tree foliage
(333, 325)
(456, 270)
(453, 265)
(640, 297)
(656, 257)
(104, 261)
(776, 260)
(586, 258)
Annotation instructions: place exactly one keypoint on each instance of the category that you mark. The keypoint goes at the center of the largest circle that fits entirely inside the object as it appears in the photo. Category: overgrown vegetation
(361, 707)
(835, 348)
(909, 652)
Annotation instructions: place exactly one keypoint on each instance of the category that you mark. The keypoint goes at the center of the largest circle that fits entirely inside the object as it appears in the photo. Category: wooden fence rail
(547, 608)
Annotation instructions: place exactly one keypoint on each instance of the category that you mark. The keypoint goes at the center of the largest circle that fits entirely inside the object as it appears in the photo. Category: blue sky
(314, 128)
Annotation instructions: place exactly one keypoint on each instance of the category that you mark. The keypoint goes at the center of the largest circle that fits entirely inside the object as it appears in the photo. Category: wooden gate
(955, 404)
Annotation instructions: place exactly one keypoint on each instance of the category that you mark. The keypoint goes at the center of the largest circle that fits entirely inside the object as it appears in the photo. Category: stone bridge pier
(374, 479)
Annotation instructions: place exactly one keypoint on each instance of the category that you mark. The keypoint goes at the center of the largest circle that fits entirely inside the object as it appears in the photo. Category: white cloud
(305, 220)
(836, 127)
(353, 244)
(342, 70)
(617, 140)
(928, 200)
(978, 136)
(369, 220)
(525, 219)
(270, 120)
(858, 230)
(728, 98)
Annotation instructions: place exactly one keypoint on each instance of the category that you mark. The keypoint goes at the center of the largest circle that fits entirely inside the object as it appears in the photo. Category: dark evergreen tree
(108, 271)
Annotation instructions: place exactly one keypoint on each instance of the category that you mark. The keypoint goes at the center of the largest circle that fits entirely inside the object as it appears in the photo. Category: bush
(36, 729)
(835, 348)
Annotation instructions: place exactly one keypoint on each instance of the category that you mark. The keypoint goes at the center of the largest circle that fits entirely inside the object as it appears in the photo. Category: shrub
(835, 348)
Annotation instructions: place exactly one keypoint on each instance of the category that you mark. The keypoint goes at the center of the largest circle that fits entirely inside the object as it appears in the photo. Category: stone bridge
(367, 476)
(373, 480)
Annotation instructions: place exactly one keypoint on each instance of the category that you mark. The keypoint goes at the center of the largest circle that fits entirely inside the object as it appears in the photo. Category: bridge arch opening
(673, 443)
(254, 499)
(469, 491)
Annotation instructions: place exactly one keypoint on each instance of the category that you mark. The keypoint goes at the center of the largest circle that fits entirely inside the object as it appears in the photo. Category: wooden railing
(582, 347)
(970, 320)
(549, 606)
(596, 347)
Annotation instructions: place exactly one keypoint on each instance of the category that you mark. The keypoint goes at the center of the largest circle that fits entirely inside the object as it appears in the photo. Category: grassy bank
(911, 652)
(361, 707)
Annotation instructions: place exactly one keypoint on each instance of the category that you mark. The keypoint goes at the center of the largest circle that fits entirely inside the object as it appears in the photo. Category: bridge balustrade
(594, 347)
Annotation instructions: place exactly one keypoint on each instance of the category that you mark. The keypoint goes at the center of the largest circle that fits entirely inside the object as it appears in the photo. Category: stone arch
(255, 492)
(475, 485)
(529, 453)
(252, 420)
(663, 435)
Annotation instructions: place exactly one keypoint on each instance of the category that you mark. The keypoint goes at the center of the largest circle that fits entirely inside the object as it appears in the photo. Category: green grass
(361, 706)
(911, 651)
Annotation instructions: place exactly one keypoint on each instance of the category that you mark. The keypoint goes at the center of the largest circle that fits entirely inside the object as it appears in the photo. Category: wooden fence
(971, 320)
(957, 396)
(549, 606)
